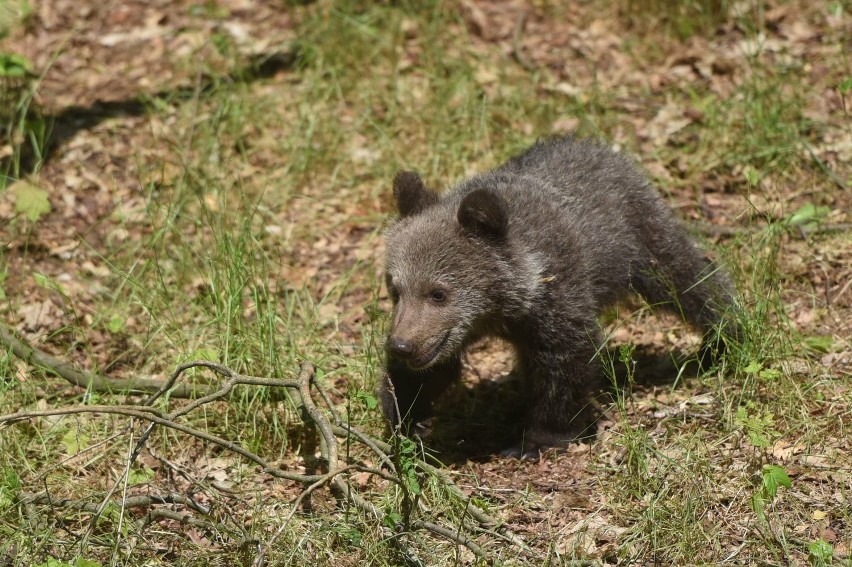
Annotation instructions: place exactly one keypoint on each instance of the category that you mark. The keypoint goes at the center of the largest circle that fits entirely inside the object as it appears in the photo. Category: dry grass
(233, 213)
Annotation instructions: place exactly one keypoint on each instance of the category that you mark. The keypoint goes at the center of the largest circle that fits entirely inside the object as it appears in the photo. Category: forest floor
(209, 180)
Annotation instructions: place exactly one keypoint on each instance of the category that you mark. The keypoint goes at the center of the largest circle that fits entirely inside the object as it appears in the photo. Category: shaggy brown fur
(532, 252)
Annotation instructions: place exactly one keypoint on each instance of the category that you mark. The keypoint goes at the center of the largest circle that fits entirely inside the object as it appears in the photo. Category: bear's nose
(401, 348)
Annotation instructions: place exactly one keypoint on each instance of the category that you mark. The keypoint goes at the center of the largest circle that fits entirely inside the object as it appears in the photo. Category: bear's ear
(411, 195)
(483, 213)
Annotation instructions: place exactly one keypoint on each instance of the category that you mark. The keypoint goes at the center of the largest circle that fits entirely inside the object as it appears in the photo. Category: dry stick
(442, 531)
(234, 378)
(35, 357)
(300, 393)
(329, 450)
(156, 416)
(343, 429)
(347, 489)
(120, 479)
(213, 395)
(143, 439)
(449, 534)
(307, 375)
(259, 560)
(132, 502)
(382, 449)
(485, 520)
(299, 386)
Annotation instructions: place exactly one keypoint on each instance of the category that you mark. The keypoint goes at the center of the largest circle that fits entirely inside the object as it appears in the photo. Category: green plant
(13, 65)
(759, 425)
(242, 224)
(772, 477)
(808, 216)
(23, 129)
(30, 201)
(77, 563)
(820, 553)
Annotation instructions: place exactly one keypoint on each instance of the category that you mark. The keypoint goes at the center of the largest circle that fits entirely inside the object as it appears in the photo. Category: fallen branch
(36, 357)
(328, 426)
(487, 523)
(147, 501)
(156, 416)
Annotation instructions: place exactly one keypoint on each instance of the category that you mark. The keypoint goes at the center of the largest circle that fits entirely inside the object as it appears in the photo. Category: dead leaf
(475, 18)
(668, 120)
(40, 315)
(783, 451)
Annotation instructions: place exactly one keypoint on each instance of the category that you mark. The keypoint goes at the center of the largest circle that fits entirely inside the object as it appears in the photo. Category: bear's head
(447, 267)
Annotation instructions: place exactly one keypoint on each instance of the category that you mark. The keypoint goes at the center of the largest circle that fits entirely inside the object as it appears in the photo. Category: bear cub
(532, 252)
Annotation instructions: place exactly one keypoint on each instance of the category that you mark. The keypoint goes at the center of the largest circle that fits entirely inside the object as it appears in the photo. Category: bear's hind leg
(680, 279)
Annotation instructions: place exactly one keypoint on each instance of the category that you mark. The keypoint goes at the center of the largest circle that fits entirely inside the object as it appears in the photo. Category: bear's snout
(401, 348)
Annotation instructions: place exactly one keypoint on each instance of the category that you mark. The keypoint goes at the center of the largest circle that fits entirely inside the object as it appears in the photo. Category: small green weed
(820, 553)
(251, 237)
(772, 478)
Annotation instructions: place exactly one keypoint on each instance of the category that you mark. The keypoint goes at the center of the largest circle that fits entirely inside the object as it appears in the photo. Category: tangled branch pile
(326, 429)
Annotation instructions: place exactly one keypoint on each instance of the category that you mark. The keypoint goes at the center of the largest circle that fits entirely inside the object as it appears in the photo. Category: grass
(251, 237)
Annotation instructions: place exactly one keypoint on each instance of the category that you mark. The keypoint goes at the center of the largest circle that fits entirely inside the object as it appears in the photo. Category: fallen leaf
(30, 200)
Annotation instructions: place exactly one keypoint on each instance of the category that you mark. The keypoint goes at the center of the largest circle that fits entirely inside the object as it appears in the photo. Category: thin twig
(259, 560)
(129, 502)
(343, 429)
(156, 416)
(380, 448)
(517, 36)
(451, 535)
(36, 357)
(825, 169)
(328, 430)
(306, 375)
(487, 523)
(147, 501)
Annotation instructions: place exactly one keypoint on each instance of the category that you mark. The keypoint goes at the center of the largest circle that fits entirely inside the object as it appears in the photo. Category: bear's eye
(392, 291)
(438, 295)
(394, 294)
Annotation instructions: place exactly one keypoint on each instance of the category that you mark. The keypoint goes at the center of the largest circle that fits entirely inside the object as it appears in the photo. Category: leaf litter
(90, 197)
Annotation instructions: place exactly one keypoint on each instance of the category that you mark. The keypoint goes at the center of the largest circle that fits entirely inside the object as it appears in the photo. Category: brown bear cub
(532, 252)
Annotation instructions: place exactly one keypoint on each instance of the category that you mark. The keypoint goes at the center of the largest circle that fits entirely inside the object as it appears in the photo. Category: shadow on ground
(66, 123)
(475, 423)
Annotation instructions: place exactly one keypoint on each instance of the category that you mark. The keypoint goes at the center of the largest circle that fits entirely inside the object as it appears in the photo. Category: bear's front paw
(537, 441)
(522, 452)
